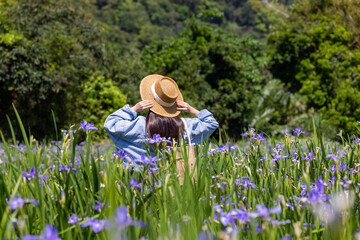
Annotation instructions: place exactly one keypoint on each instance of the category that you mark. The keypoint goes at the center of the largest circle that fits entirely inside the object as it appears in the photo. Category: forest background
(265, 64)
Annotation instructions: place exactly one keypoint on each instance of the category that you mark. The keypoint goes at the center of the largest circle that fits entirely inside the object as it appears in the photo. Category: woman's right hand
(140, 106)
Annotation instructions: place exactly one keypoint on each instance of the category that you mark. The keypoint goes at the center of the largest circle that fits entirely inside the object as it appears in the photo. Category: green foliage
(101, 97)
(137, 23)
(50, 49)
(214, 70)
(270, 109)
(346, 11)
(316, 60)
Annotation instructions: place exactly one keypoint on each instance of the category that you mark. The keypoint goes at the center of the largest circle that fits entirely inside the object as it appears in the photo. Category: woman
(162, 96)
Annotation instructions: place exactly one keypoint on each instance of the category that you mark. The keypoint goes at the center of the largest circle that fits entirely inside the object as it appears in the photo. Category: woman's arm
(185, 107)
(140, 106)
(202, 126)
(124, 122)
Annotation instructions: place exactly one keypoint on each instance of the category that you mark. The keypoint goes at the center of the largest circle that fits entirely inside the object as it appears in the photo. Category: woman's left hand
(185, 107)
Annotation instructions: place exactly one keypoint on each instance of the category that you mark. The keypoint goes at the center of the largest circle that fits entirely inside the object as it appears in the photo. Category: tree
(100, 97)
(214, 70)
(316, 56)
(54, 48)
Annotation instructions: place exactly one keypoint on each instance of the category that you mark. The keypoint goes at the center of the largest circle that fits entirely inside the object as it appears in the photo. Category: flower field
(292, 188)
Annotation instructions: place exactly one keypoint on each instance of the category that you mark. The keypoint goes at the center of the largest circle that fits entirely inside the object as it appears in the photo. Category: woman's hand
(185, 107)
(141, 106)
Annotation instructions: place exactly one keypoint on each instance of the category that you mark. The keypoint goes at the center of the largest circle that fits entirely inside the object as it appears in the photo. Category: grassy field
(293, 188)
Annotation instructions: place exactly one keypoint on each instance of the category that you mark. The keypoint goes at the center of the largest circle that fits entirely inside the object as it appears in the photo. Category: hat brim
(146, 94)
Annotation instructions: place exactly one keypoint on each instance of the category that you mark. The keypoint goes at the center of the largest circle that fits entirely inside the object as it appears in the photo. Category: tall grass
(297, 187)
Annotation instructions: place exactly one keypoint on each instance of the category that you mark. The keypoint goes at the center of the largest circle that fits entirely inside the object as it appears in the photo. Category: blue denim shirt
(129, 134)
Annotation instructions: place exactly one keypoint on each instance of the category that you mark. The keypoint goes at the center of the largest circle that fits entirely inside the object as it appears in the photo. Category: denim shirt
(129, 134)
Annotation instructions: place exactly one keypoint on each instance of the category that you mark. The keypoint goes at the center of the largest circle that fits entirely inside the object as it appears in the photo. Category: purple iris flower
(87, 126)
(320, 184)
(310, 156)
(258, 228)
(260, 138)
(342, 166)
(77, 160)
(67, 168)
(31, 237)
(211, 152)
(345, 182)
(304, 188)
(289, 205)
(98, 225)
(73, 219)
(354, 171)
(98, 206)
(317, 194)
(285, 238)
(246, 182)
(153, 170)
(275, 222)
(332, 170)
(43, 177)
(87, 223)
(157, 139)
(134, 183)
(120, 154)
(95, 224)
(50, 233)
(298, 132)
(217, 208)
(31, 173)
(205, 236)
(32, 201)
(286, 132)
(239, 215)
(264, 212)
(18, 202)
(333, 157)
(146, 161)
(276, 158)
(224, 148)
(332, 180)
(315, 197)
(226, 218)
(122, 219)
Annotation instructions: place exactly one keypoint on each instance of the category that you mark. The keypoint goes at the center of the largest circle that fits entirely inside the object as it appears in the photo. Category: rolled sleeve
(123, 122)
(203, 114)
(202, 126)
(126, 113)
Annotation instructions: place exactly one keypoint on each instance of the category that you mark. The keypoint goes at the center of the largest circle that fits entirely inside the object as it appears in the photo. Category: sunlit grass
(266, 189)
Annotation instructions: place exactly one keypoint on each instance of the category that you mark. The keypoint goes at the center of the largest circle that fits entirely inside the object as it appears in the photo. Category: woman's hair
(168, 127)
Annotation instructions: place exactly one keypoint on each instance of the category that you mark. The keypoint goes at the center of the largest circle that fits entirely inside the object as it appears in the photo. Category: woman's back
(161, 95)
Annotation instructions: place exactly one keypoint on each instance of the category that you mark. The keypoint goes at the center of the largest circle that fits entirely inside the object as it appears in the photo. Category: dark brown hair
(168, 127)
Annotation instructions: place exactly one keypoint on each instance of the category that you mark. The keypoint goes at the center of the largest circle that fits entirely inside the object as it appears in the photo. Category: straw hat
(163, 92)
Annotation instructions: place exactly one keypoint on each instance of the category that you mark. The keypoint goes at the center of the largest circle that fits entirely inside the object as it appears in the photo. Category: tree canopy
(253, 63)
(317, 57)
